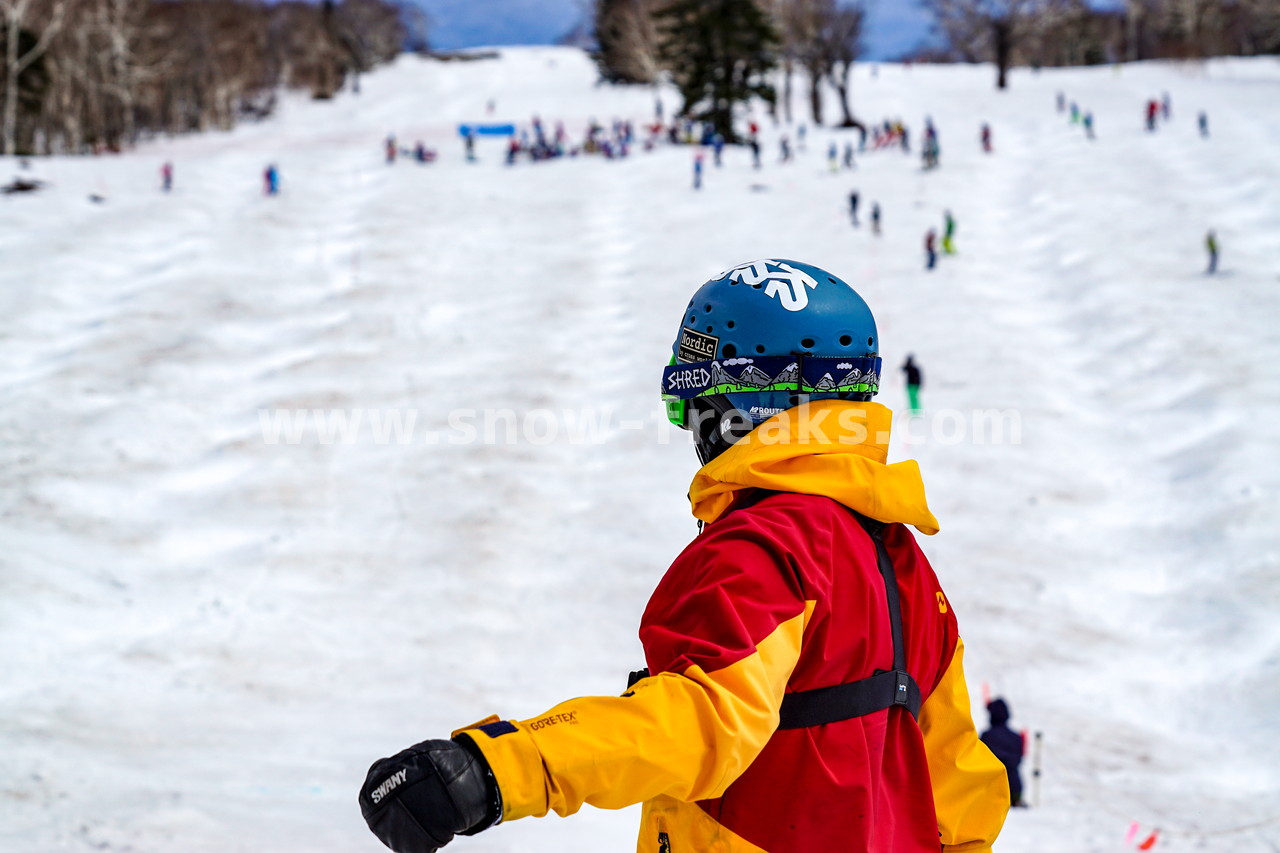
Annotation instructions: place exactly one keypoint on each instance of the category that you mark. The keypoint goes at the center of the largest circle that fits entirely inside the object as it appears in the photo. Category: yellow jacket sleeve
(970, 785)
(686, 735)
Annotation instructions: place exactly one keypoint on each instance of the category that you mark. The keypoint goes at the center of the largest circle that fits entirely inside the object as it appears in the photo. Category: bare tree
(990, 28)
(18, 17)
(628, 40)
(841, 39)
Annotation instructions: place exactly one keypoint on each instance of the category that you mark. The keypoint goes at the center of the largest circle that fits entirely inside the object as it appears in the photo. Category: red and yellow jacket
(780, 596)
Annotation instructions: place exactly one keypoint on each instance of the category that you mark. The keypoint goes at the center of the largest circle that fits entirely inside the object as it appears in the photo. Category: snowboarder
(271, 180)
(931, 248)
(1007, 745)
(914, 380)
(1211, 244)
(765, 712)
(166, 176)
(875, 218)
(853, 207)
(1203, 121)
(986, 138)
(948, 233)
(697, 171)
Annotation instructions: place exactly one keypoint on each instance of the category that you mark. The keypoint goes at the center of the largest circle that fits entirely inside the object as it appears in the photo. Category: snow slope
(207, 636)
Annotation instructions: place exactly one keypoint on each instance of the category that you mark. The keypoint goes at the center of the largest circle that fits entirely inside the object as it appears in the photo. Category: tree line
(81, 75)
(719, 53)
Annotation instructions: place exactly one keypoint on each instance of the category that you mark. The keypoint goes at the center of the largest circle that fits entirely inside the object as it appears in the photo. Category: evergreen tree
(719, 53)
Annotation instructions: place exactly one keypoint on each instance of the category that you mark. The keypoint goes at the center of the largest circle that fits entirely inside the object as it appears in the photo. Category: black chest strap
(855, 698)
(868, 695)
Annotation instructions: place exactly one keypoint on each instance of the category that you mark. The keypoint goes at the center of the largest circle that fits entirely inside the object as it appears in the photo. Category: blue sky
(893, 26)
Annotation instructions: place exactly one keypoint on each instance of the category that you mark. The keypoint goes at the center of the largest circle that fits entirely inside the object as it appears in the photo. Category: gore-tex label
(695, 346)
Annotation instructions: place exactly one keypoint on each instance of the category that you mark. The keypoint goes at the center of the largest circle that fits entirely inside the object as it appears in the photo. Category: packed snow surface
(208, 631)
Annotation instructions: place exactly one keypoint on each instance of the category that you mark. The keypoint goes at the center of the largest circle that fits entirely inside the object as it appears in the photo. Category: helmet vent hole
(693, 318)
(710, 329)
(729, 324)
(871, 341)
(831, 279)
(730, 351)
(845, 340)
(706, 308)
(760, 348)
(807, 343)
(757, 285)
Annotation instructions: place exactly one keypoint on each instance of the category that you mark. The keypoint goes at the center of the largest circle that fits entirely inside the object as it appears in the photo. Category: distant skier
(1203, 122)
(390, 146)
(931, 248)
(469, 142)
(906, 143)
(915, 379)
(848, 155)
(1153, 110)
(875, 218)
(784, 146)
(853, 207)
(1062, 102)
(1211, 244)
(271, 180)
(986, 138)
(697, 171)
(717, 146)
(1007, 745)
(948, 233)
(833, 157)
(1088, 125)
(1166, 107)
(755, 152)
(801, 131)
(1075, 113)
(166, 176)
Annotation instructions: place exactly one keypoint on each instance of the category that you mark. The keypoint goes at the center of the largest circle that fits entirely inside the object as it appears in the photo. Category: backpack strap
(855, 698)
(868, 695)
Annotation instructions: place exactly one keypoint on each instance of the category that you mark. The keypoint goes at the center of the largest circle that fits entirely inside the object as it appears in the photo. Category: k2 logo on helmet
(784, 281)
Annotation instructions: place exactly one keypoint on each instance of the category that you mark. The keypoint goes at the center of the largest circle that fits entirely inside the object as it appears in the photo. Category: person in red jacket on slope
(804, 689)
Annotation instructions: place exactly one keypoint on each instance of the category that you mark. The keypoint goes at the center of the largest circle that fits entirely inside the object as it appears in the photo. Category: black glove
(417, 800)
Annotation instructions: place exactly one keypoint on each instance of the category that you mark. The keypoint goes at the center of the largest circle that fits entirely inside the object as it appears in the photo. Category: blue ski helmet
(767, 335)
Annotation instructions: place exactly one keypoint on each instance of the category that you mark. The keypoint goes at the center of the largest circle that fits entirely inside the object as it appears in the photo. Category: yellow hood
(833, 448)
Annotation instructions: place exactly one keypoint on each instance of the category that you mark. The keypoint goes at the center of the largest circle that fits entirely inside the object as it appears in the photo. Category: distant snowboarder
(986, 138)
(784, 146)
(755, 152)
(1166, 107)
(1075, 113)
(931, 248)
(1211, 245)
(1062, 102)
(166, 176)
(948, 233)
(1007, 745)
(875, 218)
(833, 157)
(1203, 122)
(1088, 125)
(848, 155)
(469, 142)
(853, 207)
(1153, 110)
(271, 180)
(717, 146)
(390, 146)
(697, 171)
(915, 379)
